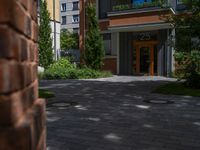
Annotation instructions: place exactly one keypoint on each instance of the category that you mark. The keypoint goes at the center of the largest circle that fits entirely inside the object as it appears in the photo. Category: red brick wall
(104, 25)
(110, 64)
(22, 114)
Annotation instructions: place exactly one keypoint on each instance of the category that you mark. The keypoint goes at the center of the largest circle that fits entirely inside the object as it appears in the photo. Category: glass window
(75, 6)
(64, 20)
(75, 19)
(107, 43)
(63, 7)
(104, 8)
(140, 2)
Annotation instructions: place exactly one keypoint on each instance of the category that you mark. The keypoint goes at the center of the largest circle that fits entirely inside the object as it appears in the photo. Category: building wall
(110, 64)
(57, 33)
(69, 14)
(125, 53)
(51, 9)
(55, 30)
(22, 113)
(117, 21)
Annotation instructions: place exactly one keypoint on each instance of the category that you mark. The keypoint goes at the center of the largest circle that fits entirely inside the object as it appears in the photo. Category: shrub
(59, 70)
(63, 69)
(188, 67)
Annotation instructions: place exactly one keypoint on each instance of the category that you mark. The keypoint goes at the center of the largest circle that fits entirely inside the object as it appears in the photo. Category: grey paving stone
(112, 115)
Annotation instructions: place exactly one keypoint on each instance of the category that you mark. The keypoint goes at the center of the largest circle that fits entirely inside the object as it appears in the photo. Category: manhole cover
(159, 101)
(62, 104)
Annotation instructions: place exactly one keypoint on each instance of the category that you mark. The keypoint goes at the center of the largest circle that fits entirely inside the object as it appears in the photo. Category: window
(140, 2)
(104, 8)
(107, 43)
(75, 30)
(75, 6)
(179, 1)
(75, 19)
(64, 20)
(63, 7)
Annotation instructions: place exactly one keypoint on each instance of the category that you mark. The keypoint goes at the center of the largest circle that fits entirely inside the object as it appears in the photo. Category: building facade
(136, 37)
(53, 7)
(69, 15)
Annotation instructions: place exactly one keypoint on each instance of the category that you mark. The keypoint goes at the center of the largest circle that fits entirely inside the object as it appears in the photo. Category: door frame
(138, 44)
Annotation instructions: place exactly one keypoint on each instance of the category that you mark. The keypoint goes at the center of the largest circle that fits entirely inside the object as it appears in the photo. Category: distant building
(54, 10)
(69, 15)
(135, 36)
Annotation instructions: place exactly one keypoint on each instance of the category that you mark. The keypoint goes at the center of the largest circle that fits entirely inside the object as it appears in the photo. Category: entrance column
(151, 60)
(137, 59)
(22, 113)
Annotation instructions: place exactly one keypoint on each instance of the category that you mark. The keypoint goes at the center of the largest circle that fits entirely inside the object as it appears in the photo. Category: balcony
(126, 14)
(135, 5)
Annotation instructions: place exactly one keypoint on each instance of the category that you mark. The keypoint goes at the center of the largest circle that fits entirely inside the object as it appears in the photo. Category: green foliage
(45, 41)
(60, 70)
(154, 3)
(69, 40)
(94, 50)
(177, 88)
(189, 67)
(63, 69)
(45, 94)
(187, 43)
(121, 7)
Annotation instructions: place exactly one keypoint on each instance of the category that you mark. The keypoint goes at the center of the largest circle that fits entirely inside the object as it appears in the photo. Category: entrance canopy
(141, 27)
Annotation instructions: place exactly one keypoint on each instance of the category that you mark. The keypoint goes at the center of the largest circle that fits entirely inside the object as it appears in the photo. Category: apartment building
(69, 15)
(136, 37)
(54, 10)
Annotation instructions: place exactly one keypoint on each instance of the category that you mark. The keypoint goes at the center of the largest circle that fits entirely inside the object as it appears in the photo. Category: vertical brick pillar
(22, 114)
(82, 28)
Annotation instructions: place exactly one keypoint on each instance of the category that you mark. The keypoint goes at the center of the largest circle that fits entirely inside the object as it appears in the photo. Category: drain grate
(62, 104)
(159, 101)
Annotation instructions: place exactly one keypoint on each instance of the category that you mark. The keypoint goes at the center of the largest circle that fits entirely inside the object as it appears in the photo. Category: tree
(187, 41)
(94, 50)
(45, 40)
(69, 40)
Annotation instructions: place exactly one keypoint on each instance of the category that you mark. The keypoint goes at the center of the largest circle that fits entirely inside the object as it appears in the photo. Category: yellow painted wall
(57, 9)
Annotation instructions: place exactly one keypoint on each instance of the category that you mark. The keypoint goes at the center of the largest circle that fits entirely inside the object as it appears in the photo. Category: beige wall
(57, 10)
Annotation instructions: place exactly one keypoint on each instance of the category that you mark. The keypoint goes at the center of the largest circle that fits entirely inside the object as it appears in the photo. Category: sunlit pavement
(112, 114)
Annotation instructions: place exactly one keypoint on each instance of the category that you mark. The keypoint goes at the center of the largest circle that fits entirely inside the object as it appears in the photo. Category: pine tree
(94, 50)
(45, 40)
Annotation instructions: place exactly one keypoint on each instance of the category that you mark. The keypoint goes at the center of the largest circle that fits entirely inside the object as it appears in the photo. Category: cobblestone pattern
(111, 115)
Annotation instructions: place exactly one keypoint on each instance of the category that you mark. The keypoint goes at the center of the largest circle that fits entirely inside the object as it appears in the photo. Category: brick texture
(110, 64)
(22, 113)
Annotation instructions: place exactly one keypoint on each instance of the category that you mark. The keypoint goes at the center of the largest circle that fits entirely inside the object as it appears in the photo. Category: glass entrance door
(145, 54)
(145, 60)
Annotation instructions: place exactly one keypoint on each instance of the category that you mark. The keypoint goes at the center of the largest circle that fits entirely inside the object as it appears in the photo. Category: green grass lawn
(177, 88)
(45, 94)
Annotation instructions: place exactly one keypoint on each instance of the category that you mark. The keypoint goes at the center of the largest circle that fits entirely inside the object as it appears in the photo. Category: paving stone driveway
(111, 115)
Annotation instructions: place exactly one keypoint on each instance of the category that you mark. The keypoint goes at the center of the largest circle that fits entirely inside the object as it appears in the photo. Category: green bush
(63, 69)
(188, 67)
(121, 7)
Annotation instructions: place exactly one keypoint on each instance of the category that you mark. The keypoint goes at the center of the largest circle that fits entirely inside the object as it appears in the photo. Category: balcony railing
(119, 5)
